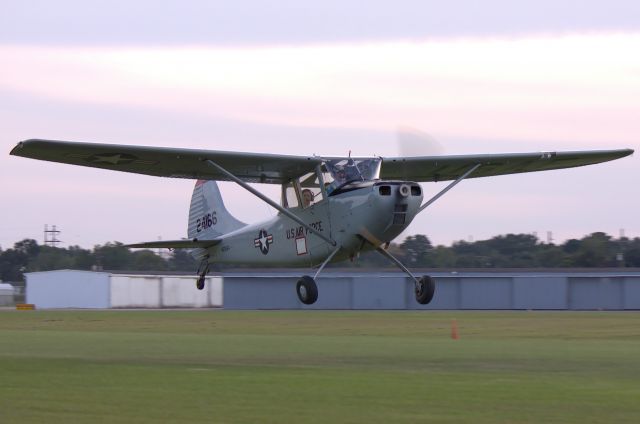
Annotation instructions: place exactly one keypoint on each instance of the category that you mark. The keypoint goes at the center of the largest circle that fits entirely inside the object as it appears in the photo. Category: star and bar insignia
(263, 241)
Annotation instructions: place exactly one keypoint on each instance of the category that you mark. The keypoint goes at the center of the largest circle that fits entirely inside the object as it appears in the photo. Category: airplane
(331, 208)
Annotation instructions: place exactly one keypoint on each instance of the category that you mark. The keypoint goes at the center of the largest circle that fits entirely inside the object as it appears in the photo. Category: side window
(302, 192)
(310, 190)
(308, 197)
(289, 196)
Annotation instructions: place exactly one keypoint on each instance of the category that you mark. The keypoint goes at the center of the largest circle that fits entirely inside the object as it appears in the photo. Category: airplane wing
(175, 244)
(443, 168)
(277, 169)
(170, 162)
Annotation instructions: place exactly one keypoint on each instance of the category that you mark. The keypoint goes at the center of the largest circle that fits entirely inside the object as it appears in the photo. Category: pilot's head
(307, 197)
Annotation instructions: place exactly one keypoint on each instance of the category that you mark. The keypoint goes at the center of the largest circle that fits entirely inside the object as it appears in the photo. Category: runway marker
(454, 329)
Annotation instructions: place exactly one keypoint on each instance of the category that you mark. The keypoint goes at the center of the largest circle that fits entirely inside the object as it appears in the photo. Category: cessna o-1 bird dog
(331, 208)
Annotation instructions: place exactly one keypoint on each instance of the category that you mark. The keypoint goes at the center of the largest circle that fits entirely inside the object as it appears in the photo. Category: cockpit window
(311, 193)
(344, 171)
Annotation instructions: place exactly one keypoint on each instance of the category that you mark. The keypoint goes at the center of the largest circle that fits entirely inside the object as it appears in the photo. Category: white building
(102, 290)
(6, 294)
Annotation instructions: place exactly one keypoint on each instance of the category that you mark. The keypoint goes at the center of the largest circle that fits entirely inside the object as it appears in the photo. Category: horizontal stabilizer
(175, 244)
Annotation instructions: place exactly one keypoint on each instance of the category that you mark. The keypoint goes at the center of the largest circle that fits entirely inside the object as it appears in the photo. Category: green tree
(632, 253)
(146, 260)
(113, 256)
(50, 258)
(595, 250)
(181, 260)
(14, 262)
(416, 250)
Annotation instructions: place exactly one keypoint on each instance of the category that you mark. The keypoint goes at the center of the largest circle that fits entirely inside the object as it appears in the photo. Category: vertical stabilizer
(208, 218)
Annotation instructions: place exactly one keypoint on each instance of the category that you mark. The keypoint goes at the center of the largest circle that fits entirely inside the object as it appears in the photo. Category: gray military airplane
(331, 208)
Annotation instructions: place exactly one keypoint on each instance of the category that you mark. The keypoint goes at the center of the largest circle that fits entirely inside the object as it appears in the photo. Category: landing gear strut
(425, 286)
(203, 269)
(306, 288)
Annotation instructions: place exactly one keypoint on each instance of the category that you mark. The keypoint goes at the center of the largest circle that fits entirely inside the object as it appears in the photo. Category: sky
(305, 78)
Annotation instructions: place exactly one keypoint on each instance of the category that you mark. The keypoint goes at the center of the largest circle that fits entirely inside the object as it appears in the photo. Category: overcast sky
(304, 78)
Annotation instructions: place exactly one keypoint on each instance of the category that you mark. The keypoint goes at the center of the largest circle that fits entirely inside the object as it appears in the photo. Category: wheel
(307, 290)
(200, 283)
(425, 288)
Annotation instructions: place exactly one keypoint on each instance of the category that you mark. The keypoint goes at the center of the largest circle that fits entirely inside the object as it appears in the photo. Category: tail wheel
(203, 270)
(425, 289)
(307, 290)
(200, 283)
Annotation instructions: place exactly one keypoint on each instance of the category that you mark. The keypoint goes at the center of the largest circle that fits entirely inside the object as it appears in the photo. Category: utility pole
(51, 236)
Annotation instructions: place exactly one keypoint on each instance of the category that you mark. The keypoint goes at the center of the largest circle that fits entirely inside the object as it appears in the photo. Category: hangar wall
(101, 290)
(272, 289)
(509, 289)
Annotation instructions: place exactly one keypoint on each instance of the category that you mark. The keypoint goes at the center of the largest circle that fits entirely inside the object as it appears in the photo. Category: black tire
(307, 290)
(200, 283)
(425, 289)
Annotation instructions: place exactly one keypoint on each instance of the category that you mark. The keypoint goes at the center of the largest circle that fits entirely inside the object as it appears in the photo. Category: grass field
(318, 367)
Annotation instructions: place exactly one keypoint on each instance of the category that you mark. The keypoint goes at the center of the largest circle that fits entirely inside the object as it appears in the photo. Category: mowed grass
(319, 367)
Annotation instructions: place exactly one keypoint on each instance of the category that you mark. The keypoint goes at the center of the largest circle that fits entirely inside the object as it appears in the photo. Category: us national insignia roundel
(112, 158)
(263, 241)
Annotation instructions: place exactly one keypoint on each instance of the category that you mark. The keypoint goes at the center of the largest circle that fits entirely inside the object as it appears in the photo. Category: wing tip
(18, 148)
(622, 153)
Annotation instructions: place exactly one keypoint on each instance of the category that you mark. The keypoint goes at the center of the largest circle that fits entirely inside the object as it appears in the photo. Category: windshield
(349, 170)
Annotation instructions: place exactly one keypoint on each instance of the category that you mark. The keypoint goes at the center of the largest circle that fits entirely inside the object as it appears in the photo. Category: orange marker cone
(454, 329)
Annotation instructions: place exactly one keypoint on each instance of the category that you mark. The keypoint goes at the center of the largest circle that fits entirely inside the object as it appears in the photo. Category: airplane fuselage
(359, 217)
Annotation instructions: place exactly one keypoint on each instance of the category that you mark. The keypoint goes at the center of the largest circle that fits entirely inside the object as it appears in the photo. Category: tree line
(28, 256)
(597, 250)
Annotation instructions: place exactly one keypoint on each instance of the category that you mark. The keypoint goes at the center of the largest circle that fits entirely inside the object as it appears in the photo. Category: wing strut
(268, 201)
(449, 187)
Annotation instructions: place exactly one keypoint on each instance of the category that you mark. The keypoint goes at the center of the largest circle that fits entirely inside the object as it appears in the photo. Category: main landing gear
(425, 286)
(307, 290)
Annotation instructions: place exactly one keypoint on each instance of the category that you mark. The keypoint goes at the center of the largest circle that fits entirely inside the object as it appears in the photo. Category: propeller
(413, 142)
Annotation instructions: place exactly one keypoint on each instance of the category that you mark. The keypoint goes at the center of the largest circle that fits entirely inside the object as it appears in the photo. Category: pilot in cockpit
(307, 197)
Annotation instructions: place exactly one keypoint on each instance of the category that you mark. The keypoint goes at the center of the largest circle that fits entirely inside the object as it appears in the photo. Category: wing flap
(170, 162)
(444, 168)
